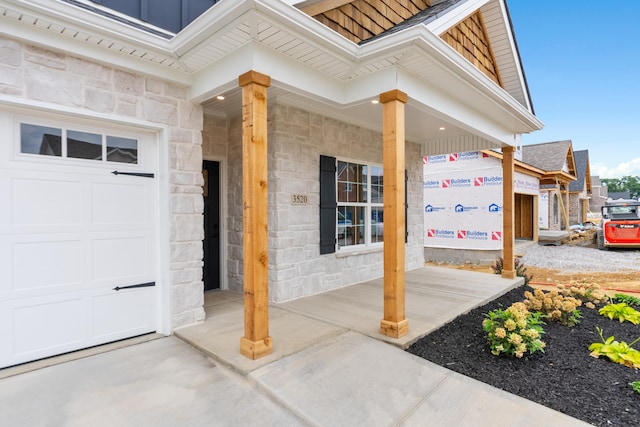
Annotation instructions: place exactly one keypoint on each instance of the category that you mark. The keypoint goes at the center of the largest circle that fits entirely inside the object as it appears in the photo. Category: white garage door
(77, 242)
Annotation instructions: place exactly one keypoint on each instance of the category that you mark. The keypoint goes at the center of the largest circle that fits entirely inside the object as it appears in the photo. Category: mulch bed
(565, 378)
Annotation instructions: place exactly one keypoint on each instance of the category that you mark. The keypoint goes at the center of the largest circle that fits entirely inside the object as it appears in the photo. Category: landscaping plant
(514, 331)
(621, 312)
(521, 269)
(617, 352)
(627, 299)
(585, 291)
(554, 306)
(635, 386)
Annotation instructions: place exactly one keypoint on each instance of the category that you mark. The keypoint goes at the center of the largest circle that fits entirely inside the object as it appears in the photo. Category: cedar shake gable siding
(364, 20)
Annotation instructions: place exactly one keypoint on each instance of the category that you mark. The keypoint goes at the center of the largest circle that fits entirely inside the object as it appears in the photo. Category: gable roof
(310, 65)
(583, 169)
(555, 158)
(481, 32)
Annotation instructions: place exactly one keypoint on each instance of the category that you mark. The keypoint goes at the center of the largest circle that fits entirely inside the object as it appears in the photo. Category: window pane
(352, 182)
(122, 150)
(40, 140)
(377, 183)
(350, 226)
(84, 145)
(377, 225)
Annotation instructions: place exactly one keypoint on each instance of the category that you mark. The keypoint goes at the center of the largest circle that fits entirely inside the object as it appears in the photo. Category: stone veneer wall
(296, 139)
(34, 73)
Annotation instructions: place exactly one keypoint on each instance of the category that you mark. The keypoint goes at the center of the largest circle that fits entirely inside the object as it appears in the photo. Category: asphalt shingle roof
(548, 156)
(426, 16)
(582, 159)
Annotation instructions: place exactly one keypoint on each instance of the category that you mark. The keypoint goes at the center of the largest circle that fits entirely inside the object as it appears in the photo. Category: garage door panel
(50, 202)
(45, 264)
(139, 316)
(42, 326)
(121, 258)
(119, 204)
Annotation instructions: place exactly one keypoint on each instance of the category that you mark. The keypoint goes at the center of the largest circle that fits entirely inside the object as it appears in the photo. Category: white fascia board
(307, 26)
(474, 79)
(453, 17)
(213, 20)
(67, 14)
(441, 105)
(94, 53)
(514, 51)
(370, 87)
(57, 41)
(227, 14)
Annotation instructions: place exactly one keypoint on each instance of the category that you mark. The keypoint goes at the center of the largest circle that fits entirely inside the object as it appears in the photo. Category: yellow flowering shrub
(554, 305)
(514, 331)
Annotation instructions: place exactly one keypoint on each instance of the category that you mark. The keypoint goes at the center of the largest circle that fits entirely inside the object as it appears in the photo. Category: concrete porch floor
(434, 296)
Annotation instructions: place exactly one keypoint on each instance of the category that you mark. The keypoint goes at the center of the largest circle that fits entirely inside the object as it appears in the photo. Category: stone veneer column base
(394, 329)
(256, 349)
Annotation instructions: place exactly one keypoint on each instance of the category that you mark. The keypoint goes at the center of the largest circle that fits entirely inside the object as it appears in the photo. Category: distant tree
(627, 182)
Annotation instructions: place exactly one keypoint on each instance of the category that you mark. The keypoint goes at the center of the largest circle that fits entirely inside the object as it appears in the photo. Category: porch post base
(394, 329)
(508, 274)
(256, 349)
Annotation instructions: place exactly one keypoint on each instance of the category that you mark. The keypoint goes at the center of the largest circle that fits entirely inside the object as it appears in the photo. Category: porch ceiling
(418, 125)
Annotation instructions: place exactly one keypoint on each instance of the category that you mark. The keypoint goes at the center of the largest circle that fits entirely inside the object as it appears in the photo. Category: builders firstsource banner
(463, 201)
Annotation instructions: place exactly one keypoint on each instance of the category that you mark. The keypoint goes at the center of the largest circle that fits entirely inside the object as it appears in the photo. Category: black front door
(211, 269)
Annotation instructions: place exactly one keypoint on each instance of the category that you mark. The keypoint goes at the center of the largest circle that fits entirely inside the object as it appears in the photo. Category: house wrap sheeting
(463, 201)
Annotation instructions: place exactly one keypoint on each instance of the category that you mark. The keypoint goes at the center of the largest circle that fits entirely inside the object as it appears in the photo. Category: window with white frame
(74, 144)
(359, 194)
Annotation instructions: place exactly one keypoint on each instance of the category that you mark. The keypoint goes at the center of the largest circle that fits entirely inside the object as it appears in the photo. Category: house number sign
(298, 199)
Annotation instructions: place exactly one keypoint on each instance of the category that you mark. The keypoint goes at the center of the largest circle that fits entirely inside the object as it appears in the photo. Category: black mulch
(565, 378)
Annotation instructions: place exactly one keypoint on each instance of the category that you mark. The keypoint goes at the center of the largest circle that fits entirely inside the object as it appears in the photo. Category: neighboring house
(615, 195)
(254, 105)
(463, 196)
(557, 161)
(599, 195)
(580, 189)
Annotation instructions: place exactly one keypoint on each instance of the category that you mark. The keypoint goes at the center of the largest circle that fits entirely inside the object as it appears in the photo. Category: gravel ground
(565, 378)
(573, 259)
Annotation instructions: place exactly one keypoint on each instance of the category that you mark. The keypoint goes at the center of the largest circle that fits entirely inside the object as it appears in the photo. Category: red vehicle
(620, 226)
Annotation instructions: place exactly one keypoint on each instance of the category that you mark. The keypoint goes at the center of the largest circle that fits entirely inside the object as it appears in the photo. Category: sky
(582, 64)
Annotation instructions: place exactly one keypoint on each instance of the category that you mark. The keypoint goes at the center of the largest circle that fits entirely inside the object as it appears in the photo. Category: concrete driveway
(164, 382)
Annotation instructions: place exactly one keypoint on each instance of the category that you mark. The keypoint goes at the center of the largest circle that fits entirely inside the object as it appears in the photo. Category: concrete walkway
(329, 367)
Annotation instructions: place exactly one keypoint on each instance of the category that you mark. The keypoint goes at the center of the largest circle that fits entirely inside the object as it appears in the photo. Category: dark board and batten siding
(171, 15)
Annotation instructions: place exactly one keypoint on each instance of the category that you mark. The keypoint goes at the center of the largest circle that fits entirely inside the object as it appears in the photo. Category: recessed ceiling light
(442, 128)
(220, 98)
(375, 101)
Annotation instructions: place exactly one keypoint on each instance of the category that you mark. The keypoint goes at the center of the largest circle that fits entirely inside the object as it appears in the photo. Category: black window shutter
(327, 205)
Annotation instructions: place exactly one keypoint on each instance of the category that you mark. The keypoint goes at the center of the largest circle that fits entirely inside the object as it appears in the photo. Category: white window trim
(368, 246)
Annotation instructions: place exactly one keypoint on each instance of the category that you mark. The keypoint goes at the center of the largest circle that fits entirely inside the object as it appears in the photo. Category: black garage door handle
(144, 175)
(141, 285)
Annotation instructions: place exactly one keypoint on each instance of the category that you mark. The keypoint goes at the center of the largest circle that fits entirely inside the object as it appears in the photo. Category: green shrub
(627, 299)
(514, 331)
(621, 312)
(617, 352)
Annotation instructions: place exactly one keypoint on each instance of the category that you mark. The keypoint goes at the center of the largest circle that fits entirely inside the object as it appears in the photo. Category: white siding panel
(456, 145)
